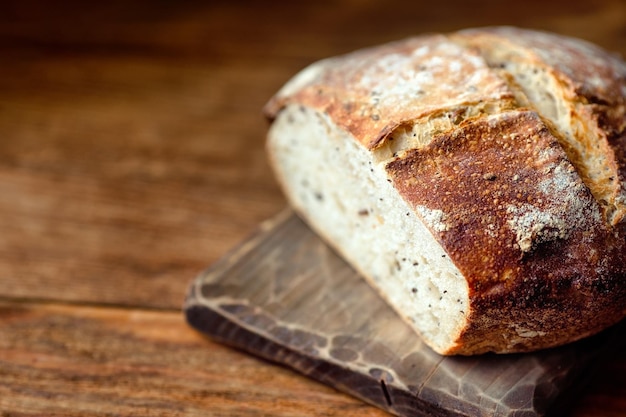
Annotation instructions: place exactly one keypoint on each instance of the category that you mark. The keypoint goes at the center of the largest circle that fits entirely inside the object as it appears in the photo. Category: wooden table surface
(131, 158)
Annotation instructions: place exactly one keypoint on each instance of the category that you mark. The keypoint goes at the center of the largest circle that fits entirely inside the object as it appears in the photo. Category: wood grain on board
(286, 296)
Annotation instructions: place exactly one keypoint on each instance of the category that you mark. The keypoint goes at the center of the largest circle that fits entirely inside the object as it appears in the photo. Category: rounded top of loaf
(373, 91)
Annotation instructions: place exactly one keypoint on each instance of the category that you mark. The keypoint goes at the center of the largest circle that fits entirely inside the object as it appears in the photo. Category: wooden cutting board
(285, 296)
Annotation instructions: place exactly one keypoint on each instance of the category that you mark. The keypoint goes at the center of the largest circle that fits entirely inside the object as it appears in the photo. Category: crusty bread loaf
(475, 179)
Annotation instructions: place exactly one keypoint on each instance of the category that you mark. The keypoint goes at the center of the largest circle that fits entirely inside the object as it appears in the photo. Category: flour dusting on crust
(434, 218)
(566, 207)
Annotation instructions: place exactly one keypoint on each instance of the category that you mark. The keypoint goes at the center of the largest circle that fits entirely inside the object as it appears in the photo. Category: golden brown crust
(372, 92)
(594, 83)
(587, 70)
(515, 212)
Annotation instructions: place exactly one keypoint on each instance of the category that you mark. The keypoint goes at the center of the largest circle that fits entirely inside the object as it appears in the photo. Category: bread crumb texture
(476, 179)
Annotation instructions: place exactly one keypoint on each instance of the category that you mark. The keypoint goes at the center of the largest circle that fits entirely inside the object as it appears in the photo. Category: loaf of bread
(475, 179)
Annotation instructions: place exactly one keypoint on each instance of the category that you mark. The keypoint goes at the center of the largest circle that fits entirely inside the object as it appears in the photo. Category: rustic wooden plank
(284, 295)
(281, 29)
(124, 187)
(71, 361)
(83, 361)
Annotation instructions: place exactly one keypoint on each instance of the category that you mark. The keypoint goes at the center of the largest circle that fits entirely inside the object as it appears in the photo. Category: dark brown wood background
(131, 158)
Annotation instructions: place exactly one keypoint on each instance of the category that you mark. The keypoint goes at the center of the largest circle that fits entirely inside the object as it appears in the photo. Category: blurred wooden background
(131, 158)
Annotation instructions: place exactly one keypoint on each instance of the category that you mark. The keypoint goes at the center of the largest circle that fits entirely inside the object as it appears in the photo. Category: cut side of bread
(344, 194)
(475, 180)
